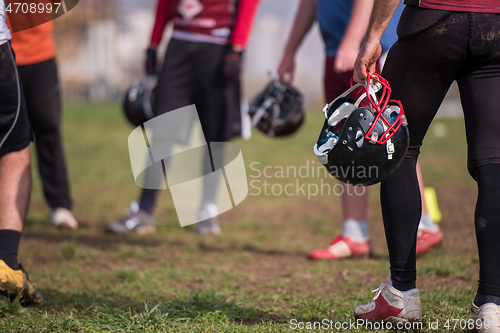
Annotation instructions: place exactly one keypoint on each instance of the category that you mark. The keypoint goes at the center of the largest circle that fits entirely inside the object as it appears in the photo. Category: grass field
(254, 277)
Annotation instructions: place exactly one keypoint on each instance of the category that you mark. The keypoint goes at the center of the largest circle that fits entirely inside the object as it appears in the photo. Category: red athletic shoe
(427, 238)
(342, 247)
(390, 304)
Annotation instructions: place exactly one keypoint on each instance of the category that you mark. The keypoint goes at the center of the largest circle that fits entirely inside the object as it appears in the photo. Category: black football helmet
(363, 145)
(278, 110)
(139, 100)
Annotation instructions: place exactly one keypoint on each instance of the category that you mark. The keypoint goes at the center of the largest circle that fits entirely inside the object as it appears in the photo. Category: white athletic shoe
(390, 304)
(62, 218)
(486, 317)
(208, 224)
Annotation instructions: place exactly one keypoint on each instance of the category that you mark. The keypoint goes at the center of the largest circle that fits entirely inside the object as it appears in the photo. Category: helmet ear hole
(360, 138)
(341, 112)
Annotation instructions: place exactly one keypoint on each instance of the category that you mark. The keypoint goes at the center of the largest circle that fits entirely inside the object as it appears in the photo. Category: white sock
(355, 229)
(426, 223)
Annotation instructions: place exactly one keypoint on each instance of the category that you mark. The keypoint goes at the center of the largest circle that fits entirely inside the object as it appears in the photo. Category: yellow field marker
(432, 204)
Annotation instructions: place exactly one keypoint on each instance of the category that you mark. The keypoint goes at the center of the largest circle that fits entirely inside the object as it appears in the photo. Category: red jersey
(474, 6)
(212, 21)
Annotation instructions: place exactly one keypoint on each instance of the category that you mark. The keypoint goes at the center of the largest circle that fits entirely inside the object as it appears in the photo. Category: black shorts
(15, 133)
(192, 74)
(434, 49)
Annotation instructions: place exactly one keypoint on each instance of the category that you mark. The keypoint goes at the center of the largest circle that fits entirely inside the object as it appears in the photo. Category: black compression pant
(41, 88)
(488, 228)
(434, 49)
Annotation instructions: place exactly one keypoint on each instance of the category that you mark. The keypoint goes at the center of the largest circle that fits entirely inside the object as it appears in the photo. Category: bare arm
(353, 35)
(370, 48)
(306, 15)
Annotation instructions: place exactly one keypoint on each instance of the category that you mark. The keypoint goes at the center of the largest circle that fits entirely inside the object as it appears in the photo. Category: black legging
(488, 228)
(41, 88)
(434, 49)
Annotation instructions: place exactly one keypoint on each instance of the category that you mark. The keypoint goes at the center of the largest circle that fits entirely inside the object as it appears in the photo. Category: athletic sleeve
(161, 20)
(244, 20)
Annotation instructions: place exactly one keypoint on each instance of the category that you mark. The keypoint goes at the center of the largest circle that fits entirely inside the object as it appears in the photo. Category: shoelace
(379, 290)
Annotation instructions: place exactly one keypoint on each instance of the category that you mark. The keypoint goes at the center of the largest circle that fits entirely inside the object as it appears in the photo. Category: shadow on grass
(247, 247)
(378, 256)
(88, 237)
(118, 312)
(37, 230)
(101, 240)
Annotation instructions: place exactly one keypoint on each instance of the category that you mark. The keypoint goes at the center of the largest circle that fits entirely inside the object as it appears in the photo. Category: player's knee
(19, 157)
(413, 152)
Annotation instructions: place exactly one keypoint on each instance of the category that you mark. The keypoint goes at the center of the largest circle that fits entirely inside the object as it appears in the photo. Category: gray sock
(427, 224)
(355, 229)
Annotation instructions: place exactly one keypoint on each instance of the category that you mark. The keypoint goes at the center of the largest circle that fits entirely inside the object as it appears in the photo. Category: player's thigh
(479, 94)
(217, 100)
(176, 83)
(14, 125)
(420, 68)
(41, 89)
(211, 107)
(335, 83)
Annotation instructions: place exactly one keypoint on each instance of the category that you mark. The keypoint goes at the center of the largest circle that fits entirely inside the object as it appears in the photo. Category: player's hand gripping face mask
(363, 145)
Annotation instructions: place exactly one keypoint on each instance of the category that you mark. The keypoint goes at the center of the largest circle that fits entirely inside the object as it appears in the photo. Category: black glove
(232, 65)
(150, 61)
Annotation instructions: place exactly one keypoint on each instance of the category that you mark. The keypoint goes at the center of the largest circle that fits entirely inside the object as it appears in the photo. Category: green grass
(253, 277)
